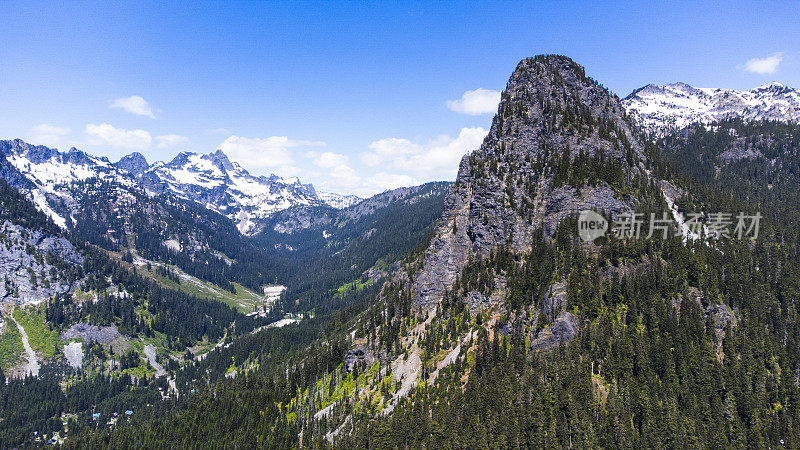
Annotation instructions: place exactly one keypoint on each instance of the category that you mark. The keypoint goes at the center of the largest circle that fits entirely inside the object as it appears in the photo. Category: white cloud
(259, 153)
(336, 175)
(134, 105)
(336, 171)
(172, 141)
(764, 66)
(107, 134)
(327, 160)
(393, 151)
(479, 101)
(438, 159)
(48, 135)
(383, 181)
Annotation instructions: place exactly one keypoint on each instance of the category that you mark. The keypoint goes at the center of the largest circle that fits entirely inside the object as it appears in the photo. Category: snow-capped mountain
(48, 175)
(224, 186)
(660, 109)
(53, 179)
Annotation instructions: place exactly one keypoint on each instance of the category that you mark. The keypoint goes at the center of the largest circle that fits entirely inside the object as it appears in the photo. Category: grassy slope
(10, 345)
(44, 341)
(243, 300)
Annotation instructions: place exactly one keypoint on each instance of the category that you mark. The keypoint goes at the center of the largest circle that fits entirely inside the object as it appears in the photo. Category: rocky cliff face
(33, 265)
(550, 118)
(135, 163)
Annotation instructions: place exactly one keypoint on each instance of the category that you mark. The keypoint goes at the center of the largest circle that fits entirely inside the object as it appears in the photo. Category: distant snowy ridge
(51, 174)
(212, 180)
(339, 201)
(660, 109)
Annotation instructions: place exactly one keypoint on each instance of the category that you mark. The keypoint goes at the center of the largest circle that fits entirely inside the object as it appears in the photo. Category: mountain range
(660, 109)
(223, 186)
(211, 180)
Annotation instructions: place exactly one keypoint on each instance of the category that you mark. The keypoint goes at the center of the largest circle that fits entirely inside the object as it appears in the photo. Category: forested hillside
(443, 315)
(343, 250)
(755, 163)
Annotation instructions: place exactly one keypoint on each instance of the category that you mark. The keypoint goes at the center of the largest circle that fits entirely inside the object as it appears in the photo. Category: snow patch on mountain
(661, 109)
(50, 169)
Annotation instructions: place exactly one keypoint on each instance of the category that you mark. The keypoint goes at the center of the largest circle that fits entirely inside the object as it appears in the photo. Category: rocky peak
(547, 99)
(180, 159)
(774, 87)
(134, 163)
(220, 159)
(523, 178)
(36, 154)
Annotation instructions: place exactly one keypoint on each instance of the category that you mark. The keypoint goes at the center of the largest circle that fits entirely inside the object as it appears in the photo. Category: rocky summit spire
(134, 163)
(560, 143)
(220, 159)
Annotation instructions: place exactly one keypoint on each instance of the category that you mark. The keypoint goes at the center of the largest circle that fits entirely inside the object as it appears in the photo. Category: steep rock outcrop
(550, 116)
(33, 265)
(135, 163)
(562, 330)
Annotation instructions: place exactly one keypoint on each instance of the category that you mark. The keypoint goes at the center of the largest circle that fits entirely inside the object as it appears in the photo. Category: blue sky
(355, 97)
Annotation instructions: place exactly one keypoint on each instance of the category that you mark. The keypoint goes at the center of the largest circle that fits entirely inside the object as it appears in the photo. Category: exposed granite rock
(356, 355)
(692, 294)
(476, 301)
(506, 189)
(89, 333)
(695, 295)
(32, 264)
(303, 218)
(563, 329)
(722, 318)
(134, 163)
(556, 300)
(739, 149)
